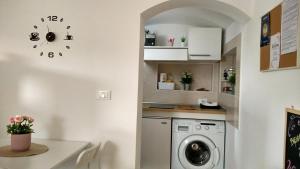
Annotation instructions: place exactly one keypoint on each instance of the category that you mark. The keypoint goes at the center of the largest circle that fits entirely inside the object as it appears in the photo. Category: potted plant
(182, 40)
(231, 80)
(186, 80)
(20, 128)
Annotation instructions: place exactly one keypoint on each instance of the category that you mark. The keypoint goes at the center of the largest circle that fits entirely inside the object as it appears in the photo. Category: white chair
(87, 156)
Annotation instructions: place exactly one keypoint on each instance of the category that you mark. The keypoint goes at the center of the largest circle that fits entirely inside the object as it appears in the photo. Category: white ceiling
(195, 16)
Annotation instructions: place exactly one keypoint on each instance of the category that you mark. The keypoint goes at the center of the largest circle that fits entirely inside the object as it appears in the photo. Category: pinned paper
(275, 51)
(289, 26)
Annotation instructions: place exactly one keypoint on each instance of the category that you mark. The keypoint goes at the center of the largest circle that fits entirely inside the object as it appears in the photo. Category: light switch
(103, 95)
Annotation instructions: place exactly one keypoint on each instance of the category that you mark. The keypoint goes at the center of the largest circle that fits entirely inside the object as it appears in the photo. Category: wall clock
(51, 36)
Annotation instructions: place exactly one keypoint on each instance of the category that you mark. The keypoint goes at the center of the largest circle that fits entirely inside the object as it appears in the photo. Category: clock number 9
(51, 54)
(52, 18)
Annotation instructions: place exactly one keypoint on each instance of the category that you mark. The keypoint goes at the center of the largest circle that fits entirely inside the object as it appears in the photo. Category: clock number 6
(51, 54)
(52, 18)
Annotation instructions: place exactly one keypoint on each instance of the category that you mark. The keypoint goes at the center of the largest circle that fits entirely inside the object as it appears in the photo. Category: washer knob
(206, 127)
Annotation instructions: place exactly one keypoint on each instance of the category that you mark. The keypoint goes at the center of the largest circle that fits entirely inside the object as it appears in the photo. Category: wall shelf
(165, 53)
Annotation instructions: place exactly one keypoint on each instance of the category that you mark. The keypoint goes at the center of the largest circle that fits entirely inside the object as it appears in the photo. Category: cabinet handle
(164, 122)
(201, 55)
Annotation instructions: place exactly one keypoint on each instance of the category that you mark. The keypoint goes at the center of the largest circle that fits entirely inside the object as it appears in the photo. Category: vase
(182, 44)
(186, 86)
(20, 142)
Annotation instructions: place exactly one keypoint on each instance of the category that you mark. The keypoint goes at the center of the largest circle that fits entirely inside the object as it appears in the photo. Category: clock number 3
(51, 54)
(52, 18)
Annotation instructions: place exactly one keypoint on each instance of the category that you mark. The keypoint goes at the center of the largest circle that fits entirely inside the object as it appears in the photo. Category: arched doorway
(213, 5)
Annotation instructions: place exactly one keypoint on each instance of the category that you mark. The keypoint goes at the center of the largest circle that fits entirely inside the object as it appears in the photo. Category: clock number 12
(52, 18)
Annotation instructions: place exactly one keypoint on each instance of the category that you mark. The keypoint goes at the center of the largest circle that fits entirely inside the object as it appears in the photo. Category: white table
(59, 152)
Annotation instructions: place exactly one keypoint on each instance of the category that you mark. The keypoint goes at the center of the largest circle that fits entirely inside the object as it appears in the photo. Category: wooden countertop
(185, 108)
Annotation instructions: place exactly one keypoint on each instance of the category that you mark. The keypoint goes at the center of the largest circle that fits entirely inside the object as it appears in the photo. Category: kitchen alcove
(205, 79)
(202, 75)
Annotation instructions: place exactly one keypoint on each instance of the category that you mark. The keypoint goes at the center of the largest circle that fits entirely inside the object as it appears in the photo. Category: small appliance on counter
(210, 106)
(150, 38)
(204, 104)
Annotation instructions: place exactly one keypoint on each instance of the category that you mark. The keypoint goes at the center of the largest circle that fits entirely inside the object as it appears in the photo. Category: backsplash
(205, 75)
(202, 74)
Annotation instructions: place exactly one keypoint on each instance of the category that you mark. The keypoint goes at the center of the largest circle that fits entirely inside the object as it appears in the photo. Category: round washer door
(198, 152)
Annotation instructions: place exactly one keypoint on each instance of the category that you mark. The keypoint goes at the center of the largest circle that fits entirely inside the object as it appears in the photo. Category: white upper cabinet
(204, 43)
(157, 53)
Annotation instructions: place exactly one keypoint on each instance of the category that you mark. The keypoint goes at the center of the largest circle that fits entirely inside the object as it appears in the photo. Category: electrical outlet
(103, 95)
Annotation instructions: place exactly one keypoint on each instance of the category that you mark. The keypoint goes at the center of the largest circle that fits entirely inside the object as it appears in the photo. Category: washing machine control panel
(199, 126)
(205, 125)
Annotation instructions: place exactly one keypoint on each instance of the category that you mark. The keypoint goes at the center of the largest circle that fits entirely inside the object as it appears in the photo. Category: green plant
(186, 78)
(231, 79)
(20, 125)
(183, 39)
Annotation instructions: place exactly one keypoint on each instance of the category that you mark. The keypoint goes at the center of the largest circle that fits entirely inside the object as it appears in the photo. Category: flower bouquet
(171, 41)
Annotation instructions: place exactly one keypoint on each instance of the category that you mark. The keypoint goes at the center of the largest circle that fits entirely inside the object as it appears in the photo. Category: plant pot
(20, 142)
(186, 86)
(182, 44)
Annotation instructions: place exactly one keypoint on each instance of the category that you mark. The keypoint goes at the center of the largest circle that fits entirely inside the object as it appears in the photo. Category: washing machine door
(198, 152)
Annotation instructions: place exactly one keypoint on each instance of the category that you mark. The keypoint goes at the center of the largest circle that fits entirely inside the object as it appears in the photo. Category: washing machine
(198, 144)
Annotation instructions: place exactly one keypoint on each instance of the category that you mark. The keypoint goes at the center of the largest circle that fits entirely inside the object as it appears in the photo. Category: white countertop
(59, 152)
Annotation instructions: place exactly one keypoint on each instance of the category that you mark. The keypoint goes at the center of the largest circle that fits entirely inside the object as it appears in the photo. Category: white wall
(232, 31)
(164, 31)
(264, 96)
(60, 92)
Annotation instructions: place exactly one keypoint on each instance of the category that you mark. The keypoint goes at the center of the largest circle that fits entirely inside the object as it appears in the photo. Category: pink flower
(18, 118)
(171, 40)
(30, 119)
(11, 119)
(25, 117)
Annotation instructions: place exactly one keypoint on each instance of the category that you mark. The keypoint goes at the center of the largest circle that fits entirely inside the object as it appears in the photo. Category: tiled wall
(205, 75)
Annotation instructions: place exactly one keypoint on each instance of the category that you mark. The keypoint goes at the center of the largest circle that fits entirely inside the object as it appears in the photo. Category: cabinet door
(156, 143)
(205, 43)
(165, 54)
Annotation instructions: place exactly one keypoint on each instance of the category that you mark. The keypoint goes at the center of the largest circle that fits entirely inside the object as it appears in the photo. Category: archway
(236, 14)
(214, 5)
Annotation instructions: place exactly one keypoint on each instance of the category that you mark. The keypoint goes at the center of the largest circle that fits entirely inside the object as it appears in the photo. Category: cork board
(35, 149)
(288, 60)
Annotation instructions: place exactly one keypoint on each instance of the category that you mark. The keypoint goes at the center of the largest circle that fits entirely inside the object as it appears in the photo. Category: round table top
(35, 149)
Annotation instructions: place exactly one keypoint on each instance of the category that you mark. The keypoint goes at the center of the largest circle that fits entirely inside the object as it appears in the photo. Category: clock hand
(48, 28)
